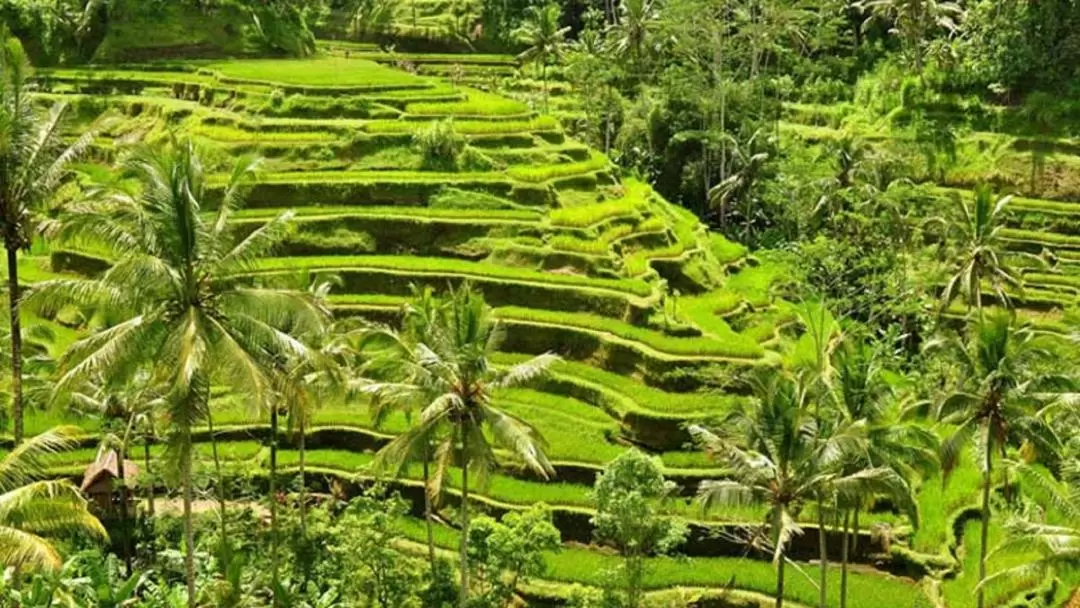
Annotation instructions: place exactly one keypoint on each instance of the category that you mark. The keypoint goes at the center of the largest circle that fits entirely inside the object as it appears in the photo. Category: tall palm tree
(34, 162)
(780, 457)
(32, 509)
(997, 402)
(1056, 542)
(177, 288)
(451, 371)
(545, 39)
(894, 437)
(637, 20)
(394, 365)
(914, 21)
(744, 171)
(980, 254)
(126, 411)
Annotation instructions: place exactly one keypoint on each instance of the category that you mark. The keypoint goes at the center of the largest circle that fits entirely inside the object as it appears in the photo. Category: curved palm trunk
(273, 505)
(985, 534)
(125, 516)
(225, 545)
(16, 343)
(189, 529)
(303, 478)
(780, 583)
(427, 509)
(150, 483)
(844, 559)
(823, 555)
(463, 593)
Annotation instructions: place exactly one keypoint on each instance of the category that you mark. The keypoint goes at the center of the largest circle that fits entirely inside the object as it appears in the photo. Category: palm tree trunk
(427, 509)
(823, 553)
(463, 593)
(303, 477)
(189, 528)
(273, 504)
(225, 544)
(987, 476)
(150, 483)
(844, 559)
(125, 517)
(780, 583)
(16, 342)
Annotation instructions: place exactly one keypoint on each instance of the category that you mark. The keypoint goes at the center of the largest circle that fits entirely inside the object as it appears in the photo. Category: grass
(478, 270)
(470, 127)
(731, 345)
(637, 394)
(543, 173)
(632, 204)
(318, 72)
(590, 567)
(476, 103)
(411, 213)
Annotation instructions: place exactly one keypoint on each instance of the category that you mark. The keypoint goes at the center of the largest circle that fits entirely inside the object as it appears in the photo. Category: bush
(440, 144)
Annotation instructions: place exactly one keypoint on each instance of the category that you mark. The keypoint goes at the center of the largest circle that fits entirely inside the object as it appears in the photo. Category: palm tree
(322, 378)
(394, 365)
(915, 20)
(545, 39)
(781, 457)
(34, 162)
(177, 287)
(981, 252)
(744, 172)
(451, 372)
(32, 509)
(894, 438)
(996, 401)
(637, 20)
(125, 411)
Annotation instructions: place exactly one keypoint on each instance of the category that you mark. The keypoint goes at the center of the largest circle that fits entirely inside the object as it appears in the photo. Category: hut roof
(107, 466)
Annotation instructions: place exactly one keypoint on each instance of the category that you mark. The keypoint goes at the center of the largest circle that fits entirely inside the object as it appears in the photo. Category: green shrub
(440, 144)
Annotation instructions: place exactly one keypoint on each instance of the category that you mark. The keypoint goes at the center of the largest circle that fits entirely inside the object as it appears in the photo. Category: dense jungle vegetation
(588, 303)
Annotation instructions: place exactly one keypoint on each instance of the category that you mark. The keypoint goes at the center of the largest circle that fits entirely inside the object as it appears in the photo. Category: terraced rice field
(640, 300)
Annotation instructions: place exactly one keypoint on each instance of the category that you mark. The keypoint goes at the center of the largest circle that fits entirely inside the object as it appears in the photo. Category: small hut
(103, 475)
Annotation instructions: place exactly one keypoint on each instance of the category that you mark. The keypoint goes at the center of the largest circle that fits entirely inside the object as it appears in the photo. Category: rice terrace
(492, 303)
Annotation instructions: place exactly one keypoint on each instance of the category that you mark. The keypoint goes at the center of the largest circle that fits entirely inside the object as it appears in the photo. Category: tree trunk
(225, 544)
(189, 528)
(823, 555)
(274, 584)
(125, 517)
(16, 343)
(987, 477)
(427, 510)
(150, 483)
(303, 478)
(780, 583)
(463, 593)
(844, 559)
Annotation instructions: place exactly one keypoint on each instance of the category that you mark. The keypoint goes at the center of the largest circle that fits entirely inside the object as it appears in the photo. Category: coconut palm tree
(781, 457)
(394, 365)
(1054, 536)
(545, 39)
(636, 21)
(34, 162)
(894, 438)
(177, 291)
(996, 402)
(744, 173)
(451, 372)
(980, 254)
(32, 509)
(914, 21)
